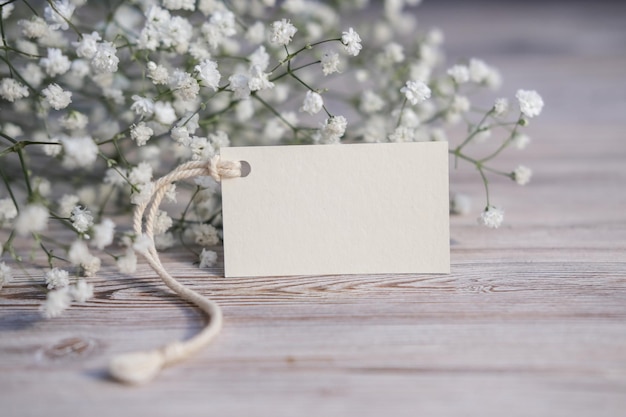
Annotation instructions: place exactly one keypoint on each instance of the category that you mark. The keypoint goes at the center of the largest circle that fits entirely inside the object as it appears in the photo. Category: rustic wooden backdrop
(531, 321)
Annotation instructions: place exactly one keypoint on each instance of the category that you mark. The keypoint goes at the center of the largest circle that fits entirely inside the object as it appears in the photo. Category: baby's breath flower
(260, 58)
(371, 102)
(208, 73)
(141, 133)
(79, 152)
(478, 70)
(74, 120)
(81, 219)
(258, 79)
(103, 233)
(8, 211)
(127, 263)
(34, 28)
(330, 63)
(282, 31)
(157, 73)
(180, 4)
(332, 130)
(460, 203)
(520, 140)
(313, 103)
(501, 106)
(530, 102)
(105, 59)
(492, 217)
(57, 278)
(56, 97)
(142, 106)
(352, 42)
(459, 73)
(416, 91)
(11, 90)
(87, 46)
(32, 218)
(57, 301)
(58, 13)
(162, 223)
(55, 63)
(6, 274)
(522, 175)
(205, 235)
(238, 83)
(402, 134)
(81, 291)
(208, 258)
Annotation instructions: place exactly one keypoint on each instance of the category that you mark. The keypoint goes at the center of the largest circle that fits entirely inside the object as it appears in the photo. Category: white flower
(157, 73)
(56, 97)
(185, 86)
(79, 152)
(478, 70)
(313, 103)
(520, 140)
(141, 174)
(74, 120)
(459, 73)
(501, 106)
(142, 106)
(330, 62)
(402, 134)
(522, 175)
(219, 139)
(142, 244)
(492, 217)
(103, 233)
(371, 102)
(208, 73)
(105, 59)
(87, 46)
(332, 130)
(11, 90)
(180, 4)
(162, 222)
(238, 83)
(208, 258)
(127, 263)
(34, 28)
(141, 133)
(256, 33)
(460, 203)
(59, 13)
(32, 219)
(57, 301)
(6, 275)
(81, 291)
(81, 219)
(351, 41)
(205, 235)
(57, 278)
(8, 211)
(164, 241)
(530, 102)
(282, 31)
(416, 91)
(55, 63)
(258, 79)
(260, 57)
(164, 112)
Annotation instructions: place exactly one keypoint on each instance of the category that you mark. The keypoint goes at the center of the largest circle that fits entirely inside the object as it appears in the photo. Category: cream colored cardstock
(337, 209)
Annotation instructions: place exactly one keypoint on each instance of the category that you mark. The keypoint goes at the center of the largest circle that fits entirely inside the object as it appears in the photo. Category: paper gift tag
(337, 209)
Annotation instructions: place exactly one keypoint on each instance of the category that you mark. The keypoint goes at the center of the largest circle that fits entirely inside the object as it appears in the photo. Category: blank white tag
(337, 209)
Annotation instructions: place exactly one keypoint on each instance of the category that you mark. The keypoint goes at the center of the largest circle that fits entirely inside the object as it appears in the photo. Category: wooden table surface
(531, 321)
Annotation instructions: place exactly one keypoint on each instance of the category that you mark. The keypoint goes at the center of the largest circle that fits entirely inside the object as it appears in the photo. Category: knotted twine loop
(141, 367)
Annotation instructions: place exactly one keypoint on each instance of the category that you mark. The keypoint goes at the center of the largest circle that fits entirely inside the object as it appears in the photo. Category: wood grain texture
(531, 321)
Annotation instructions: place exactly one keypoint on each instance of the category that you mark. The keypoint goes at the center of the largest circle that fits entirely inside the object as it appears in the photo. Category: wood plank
(531, 321)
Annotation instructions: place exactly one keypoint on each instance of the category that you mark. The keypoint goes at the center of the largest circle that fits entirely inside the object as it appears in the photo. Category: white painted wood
(531, 321)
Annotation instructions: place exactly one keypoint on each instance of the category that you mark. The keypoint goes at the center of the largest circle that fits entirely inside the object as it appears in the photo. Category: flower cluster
(97, 102)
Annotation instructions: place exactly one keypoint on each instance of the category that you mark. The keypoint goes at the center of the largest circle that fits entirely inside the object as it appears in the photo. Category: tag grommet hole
(245, 168)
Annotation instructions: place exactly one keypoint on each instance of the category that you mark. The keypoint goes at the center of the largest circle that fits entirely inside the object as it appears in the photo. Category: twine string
(143, 366)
